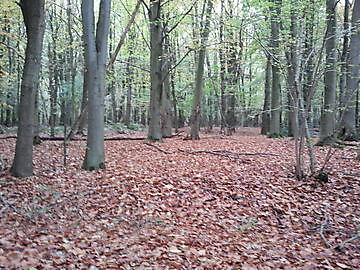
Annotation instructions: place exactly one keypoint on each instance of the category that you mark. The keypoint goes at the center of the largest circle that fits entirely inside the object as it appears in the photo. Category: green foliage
(124, 129)
(275, 136)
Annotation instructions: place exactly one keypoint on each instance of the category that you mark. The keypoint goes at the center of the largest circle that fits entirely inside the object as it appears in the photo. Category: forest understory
(223, 202)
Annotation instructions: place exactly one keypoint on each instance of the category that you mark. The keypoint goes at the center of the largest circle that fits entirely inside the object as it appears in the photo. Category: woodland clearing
(223, 202)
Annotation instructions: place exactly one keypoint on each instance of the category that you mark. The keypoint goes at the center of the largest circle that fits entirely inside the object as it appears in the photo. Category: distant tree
(33, 14)
(95, 64)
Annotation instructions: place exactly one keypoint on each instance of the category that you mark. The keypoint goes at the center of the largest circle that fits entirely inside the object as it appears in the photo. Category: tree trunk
(275, 88)
(222, 70)
(156, 53)
(291, 78)
(129, 85)
(72, 56)
(196, 107)
(33, 14)
(166, 115)
(265, 124)
(348, 122)
(95, 61)
(344, 55)
(327, 125)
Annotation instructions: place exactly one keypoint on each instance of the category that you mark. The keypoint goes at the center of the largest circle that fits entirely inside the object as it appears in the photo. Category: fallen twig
(225, 153)
(342, 245)
(321, 231)
(12, 207)
(158, 148)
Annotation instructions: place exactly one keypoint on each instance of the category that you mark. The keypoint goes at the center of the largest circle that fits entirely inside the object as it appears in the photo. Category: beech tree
(196, 106)
(348, 122)
(95, 51)
(156, 78)
(275, 82)
(33, 14)
(327, 124)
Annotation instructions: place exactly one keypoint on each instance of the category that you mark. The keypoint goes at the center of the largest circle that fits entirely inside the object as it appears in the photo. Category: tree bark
(222, 70)
(348, 121)
(327, 124)
(166, 114)
(275, 88)
(95, 61)
(33, 14)
(156, 53)
(265, 124)
(196, 107)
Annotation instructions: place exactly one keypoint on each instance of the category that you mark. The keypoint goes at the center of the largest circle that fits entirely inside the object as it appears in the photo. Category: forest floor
(235, 205)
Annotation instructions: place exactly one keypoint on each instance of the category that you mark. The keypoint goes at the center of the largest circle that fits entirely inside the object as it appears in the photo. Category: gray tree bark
(196, 106)
(275, 88)
(265, 124)
(327, 124)
(33, 14)
(156, 52)
(95, 62)
(344, 55)
(166, 114)
(348, 122)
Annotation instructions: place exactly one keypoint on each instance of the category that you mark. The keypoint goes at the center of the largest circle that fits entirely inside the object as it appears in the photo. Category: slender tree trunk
(72, 67)
(173, 94)
(129, 85)
(275, 88)
(95, 61)
(111, 70)
(265, 124)
(53, 71)
(33, 14)
(348, 122)
(327, 124)
(196, 107)
(222, 70)
(291, 77)
(166, 115)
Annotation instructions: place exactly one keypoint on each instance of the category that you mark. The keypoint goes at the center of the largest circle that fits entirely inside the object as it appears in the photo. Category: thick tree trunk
(33, 13)
(156, 41)
(196, 107)
(275, 88)
(348, 123)
(344, 55)
(95, 61)
(327, 125)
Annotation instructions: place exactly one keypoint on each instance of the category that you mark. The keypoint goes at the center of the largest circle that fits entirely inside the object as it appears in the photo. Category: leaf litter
(180, 206)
